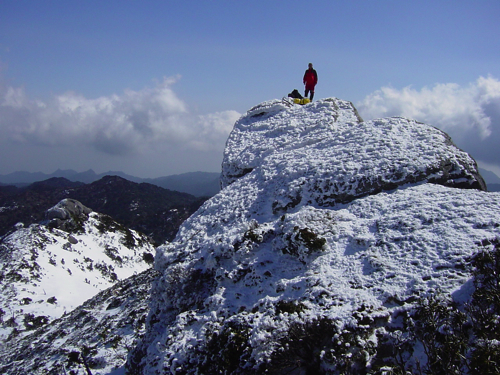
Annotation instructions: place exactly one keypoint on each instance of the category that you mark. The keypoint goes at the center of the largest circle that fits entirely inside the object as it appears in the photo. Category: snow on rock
(326, 154)
(67, 209)
(325, 223)
(46, 271)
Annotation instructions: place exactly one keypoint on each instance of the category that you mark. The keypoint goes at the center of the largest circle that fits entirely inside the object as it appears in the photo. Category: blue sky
(153, 87)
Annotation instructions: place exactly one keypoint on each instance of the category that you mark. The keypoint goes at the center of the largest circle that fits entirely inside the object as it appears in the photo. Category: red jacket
(310, 77)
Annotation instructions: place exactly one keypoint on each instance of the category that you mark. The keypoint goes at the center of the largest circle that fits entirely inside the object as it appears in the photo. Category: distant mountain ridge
(144, 207)
(493, 187)
(199, 184)
(489, 176)
(492, 180)
(195, 183)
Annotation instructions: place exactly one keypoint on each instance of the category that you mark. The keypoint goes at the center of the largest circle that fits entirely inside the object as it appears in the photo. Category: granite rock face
(346, 157)
(327, 229)
(67, 214)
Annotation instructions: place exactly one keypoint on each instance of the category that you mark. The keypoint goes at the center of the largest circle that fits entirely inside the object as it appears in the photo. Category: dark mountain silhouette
(493, 187)
(200, 184)
(196, 183)
(148, 208)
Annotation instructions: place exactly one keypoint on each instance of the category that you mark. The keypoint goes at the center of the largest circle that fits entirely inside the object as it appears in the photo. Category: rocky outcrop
(67, 215)
(326, 231)
(48, 270)
(346, 158)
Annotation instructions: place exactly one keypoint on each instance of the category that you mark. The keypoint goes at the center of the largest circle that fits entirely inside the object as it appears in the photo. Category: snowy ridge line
(48, 270)
(279, 130)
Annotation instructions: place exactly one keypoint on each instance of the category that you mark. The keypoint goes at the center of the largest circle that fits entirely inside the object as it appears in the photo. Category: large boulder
(68, 214)
(326, 231)
(324, 153)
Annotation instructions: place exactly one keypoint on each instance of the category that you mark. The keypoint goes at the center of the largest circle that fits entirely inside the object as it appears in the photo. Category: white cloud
(448, 106)
(470, 115)
(213, 128)
(123, 124)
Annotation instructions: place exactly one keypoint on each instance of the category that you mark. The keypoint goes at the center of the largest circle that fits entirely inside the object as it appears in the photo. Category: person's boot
(312, 96)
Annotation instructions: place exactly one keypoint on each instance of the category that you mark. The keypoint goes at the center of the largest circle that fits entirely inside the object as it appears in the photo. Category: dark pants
(311, 89)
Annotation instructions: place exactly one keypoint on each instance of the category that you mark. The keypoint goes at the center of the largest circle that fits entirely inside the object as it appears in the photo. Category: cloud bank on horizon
(152, 126)
(116, 125)
(470, 114)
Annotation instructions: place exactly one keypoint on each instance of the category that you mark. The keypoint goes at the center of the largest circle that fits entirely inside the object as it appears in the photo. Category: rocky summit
(328, 230)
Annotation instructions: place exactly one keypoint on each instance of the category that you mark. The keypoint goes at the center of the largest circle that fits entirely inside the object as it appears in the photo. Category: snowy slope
(46, 271)
(101, 331)
(322, 218)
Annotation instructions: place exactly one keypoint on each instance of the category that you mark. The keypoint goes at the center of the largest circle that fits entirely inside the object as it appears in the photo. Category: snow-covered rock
(67, 209)
(324, 153)
(325, 223)
(46, 271)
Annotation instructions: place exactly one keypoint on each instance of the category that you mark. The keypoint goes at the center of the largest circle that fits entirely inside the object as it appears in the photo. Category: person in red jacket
(310, 79)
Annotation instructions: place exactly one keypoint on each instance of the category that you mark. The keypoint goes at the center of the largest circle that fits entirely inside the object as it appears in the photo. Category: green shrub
(303, 242)
(227, 351)
(148, 257)
(289, 307)
(32, 322)
(323, 346)
(484, 313)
